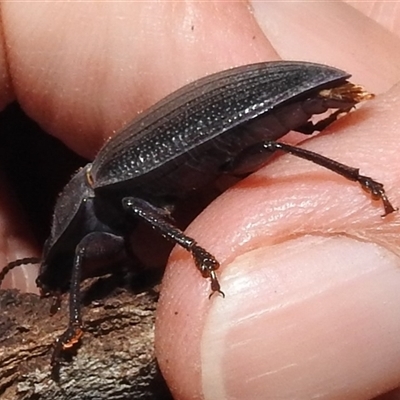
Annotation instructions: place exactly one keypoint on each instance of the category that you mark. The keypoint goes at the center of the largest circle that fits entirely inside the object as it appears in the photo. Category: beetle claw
(68, 340)
(215, 286)
(377, 192)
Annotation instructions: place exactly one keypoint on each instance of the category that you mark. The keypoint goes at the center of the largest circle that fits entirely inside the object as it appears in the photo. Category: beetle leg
(74, 331)
(373, 187)
(155, 217)
(96, 245)
(310, 127)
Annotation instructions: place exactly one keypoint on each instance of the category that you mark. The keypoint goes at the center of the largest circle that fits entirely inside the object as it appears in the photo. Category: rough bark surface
(114, 361)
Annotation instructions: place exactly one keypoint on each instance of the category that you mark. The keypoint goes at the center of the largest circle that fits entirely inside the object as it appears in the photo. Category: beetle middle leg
(373, 187)
(157, 219)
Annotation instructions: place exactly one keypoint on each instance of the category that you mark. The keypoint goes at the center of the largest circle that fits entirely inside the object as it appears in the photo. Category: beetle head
(68, 227)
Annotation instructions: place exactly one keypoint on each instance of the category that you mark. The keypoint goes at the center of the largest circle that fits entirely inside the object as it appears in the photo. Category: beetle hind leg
(373, 187)
(265, 149)
(311, 127)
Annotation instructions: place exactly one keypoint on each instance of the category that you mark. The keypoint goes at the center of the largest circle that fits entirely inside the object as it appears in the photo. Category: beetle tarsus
(207, 264)
(68, 340)
(389, 208)
(377, 192)
(215, 286)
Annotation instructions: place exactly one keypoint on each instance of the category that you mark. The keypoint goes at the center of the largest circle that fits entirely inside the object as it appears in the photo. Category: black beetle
(226, 123)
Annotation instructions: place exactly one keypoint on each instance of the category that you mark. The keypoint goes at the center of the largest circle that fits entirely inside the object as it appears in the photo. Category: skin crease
(310, 270)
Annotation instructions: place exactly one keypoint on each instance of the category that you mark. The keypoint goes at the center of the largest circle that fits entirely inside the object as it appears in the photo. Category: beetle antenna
(17, 263)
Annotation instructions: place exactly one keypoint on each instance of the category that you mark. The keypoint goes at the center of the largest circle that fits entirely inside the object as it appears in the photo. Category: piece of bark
(114, 361)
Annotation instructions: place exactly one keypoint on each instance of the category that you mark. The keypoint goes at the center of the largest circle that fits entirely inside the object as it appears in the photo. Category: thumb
(311, 276)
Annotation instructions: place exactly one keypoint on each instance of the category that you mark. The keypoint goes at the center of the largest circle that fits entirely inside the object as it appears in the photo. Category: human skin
(309, 268)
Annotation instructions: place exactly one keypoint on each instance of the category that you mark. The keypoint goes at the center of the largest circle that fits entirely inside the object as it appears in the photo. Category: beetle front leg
(74, 332)
(96, 246)
(205, 262)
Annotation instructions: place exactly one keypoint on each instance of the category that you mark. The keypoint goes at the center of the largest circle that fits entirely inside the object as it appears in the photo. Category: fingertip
(314, 35)
(181, 313)
(126, 56)
(320, 313)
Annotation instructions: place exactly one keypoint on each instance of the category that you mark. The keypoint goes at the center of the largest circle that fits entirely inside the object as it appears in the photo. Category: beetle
(224, 124)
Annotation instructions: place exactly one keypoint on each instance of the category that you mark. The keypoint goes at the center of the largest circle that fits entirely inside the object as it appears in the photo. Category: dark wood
(114, 361)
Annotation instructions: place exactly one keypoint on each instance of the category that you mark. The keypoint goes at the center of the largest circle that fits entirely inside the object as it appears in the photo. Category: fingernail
(311, 317)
